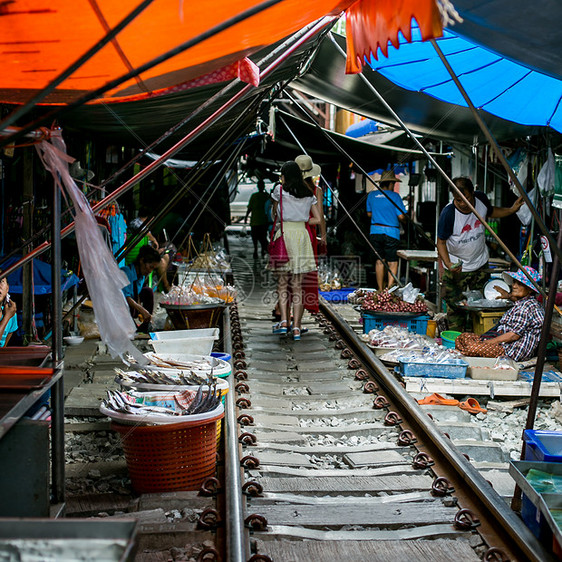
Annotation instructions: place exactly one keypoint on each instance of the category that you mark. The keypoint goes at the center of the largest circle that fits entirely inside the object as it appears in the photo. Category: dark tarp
(524, 31)
(41, 277)
(323, 152)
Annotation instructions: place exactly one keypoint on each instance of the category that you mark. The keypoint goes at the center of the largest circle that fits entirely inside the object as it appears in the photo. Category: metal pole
(497, 149)
(455, 189)
(57, 390)
(541, 357)
(178, 146)
(237, 549)
(541, 353)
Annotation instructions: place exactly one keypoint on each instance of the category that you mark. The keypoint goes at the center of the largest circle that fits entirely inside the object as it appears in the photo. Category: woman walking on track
(292, 205)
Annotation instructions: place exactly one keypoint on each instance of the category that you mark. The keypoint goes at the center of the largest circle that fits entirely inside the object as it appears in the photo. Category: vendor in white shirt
(461, 244)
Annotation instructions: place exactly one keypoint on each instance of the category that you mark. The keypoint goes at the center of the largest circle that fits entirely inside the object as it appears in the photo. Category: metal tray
(79, 530)
(193, 306)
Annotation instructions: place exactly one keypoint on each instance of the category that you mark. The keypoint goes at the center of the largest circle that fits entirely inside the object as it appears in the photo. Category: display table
(431, 256)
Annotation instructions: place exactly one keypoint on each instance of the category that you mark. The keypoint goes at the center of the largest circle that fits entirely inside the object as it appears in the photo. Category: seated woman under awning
(518, 332)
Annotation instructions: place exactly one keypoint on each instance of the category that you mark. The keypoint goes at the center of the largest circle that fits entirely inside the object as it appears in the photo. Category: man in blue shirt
(8, 320)
(385, 211)
(141, 302)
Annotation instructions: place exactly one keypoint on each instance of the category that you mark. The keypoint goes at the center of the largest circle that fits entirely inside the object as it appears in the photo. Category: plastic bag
(103, 276)
(524, 213)
(545, 179)
(409, 294)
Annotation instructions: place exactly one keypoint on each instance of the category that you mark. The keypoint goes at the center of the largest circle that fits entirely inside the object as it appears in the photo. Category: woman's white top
(294, 209)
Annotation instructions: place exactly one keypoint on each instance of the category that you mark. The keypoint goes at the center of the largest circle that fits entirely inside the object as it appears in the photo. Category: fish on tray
(145, 376)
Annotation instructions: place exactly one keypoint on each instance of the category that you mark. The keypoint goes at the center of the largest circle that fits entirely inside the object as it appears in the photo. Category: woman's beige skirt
(299, 248)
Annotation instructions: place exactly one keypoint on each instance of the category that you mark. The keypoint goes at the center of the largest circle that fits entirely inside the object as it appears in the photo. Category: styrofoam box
(482, 368)
(187, 346)
(185, 334)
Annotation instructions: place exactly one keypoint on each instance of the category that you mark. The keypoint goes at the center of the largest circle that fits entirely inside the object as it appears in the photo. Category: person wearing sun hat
(518, 332)
(386, 211)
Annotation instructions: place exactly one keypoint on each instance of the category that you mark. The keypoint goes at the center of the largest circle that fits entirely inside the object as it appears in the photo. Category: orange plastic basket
(163, 458)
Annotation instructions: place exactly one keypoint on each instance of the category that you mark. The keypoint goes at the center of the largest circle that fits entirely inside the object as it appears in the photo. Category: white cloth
(468, 241)
(294, 210)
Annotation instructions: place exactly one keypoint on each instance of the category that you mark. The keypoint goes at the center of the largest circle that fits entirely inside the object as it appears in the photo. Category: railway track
(338, 462)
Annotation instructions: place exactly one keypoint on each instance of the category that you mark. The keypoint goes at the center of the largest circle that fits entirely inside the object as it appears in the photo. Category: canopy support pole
(455, 189)
(194, 133)
(497, 150)
(57, 390)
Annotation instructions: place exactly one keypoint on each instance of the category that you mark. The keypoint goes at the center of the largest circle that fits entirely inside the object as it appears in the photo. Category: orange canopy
(39, 39)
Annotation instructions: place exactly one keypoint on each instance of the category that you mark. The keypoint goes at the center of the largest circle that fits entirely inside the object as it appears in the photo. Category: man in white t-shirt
(461, 244)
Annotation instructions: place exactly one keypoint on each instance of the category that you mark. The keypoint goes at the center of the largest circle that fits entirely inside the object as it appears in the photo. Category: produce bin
(484, 321)
(194, 316)
(184, 334)
(543, 446)
(165, 458)
(456, 369)
(338, 296)
(416, 323)
(537, 506)
(482, 368)
(190, 346)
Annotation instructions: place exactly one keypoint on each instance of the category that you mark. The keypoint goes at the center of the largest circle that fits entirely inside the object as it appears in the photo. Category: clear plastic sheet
(102, 274)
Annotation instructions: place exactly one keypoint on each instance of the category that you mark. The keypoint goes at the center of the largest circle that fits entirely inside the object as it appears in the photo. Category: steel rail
(237, 548)
(511, 530)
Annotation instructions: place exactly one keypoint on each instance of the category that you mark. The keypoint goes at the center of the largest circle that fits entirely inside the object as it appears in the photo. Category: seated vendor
(8, 309)
(141, 302)
(519, 330)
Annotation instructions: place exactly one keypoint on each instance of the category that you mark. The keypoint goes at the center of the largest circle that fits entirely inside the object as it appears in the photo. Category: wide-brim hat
(509, 276)
(388, 175)
(308, 168)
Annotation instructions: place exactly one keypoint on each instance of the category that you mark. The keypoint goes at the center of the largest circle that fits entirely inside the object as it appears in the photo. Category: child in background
(8, 320)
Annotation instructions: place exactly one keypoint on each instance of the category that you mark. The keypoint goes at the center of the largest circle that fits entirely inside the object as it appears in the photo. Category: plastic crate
(164, 458)
(543, 446)
(454, 370)
(536, 506)
(484, 321)
(375, 321)
(337, 297)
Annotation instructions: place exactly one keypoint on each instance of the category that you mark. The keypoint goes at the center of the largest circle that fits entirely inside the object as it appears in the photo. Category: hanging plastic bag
(524, 213)
(103, 276)
(545, 179)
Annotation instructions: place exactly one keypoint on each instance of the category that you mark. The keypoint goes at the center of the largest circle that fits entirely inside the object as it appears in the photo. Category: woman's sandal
(296, 334)
(438, 400)
(280, 327)
(472, 406)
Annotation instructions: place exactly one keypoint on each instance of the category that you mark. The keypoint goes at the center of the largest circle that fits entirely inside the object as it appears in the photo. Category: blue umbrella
(494, 83)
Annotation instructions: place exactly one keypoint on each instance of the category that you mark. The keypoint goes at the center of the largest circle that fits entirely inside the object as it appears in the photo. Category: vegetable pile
(384, 301)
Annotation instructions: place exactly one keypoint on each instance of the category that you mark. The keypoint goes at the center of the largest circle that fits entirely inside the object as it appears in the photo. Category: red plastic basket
(164, 458)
